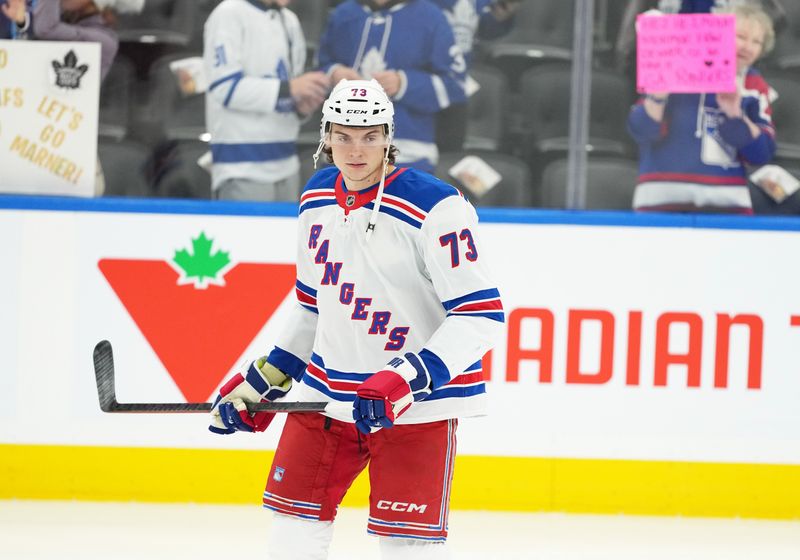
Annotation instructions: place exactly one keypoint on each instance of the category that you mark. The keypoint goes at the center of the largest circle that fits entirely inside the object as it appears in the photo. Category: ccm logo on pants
(401, 506)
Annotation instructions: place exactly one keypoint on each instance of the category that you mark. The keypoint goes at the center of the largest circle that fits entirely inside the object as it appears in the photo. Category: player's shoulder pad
(325, 178)
(421, 189)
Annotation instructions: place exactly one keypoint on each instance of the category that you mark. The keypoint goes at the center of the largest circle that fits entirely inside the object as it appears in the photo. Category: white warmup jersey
(420, 285)
(250, 50)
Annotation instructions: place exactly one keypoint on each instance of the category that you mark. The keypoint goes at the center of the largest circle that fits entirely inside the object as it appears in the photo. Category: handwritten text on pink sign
(686, 53)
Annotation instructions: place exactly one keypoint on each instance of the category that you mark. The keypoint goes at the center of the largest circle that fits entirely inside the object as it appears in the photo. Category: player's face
(749, 42)
(358, 153)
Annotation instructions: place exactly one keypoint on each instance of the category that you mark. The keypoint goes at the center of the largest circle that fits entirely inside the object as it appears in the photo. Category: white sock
(292, 538)
(412, 549)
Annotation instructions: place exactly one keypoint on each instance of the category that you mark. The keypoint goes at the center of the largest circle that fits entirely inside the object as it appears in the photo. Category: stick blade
(104, 375)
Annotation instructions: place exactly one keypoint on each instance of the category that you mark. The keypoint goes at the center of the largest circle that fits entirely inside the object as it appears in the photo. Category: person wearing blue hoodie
(409, 48)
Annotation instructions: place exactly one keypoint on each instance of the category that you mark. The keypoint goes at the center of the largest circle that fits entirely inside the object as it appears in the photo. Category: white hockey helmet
(358, 103)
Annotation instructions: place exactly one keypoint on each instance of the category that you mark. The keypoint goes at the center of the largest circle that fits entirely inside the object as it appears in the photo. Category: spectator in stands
(695, 148)
(409, 47)
(255, 54)
(15, 19)
(485, 19)
(625, 48)
(83, 20)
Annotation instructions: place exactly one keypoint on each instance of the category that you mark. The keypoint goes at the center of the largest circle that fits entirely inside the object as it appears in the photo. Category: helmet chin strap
(373, 218)
(318, 152)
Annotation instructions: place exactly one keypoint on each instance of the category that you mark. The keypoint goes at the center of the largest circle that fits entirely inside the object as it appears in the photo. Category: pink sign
(686, 53)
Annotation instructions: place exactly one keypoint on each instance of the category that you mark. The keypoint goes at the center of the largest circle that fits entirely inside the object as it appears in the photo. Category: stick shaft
(106, 393)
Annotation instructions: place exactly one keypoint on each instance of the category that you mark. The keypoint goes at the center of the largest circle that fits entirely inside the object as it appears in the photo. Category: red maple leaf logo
(198, 333)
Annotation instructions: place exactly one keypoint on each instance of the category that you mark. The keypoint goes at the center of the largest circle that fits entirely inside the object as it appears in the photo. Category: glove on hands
(262, 382)
(388, 393)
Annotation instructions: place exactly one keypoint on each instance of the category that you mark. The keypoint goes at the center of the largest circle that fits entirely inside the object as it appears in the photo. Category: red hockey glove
(388, 393)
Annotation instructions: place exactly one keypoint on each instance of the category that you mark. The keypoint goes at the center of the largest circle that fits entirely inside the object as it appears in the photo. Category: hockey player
(409, 47)
(255, 54)
(395, 311)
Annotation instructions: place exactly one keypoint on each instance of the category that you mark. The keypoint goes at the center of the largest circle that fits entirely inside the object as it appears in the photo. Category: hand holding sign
(686, 53)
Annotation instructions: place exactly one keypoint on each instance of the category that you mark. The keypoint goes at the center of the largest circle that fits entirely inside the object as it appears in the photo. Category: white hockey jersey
(419, 285)
(250, 51)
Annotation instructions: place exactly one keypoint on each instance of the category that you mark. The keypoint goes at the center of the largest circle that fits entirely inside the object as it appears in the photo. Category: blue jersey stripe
(316, 204)
(235, 76)
(317, 360)
(324, 389)
(498, 316)
(312, 309)
(480, 295)
(306, 289)
(457, 392)
(396, 214)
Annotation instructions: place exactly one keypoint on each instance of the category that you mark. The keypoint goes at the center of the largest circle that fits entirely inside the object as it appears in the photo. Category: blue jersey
(420, 284)
(470, 19)
(697, 158)
(415, 39)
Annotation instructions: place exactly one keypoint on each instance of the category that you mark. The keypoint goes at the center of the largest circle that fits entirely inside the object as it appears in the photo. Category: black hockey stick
(106, 392)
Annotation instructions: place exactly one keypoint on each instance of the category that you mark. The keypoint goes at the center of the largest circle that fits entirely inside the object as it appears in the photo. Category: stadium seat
(309, 130)
(115, 99)
(610, 183)
(179, 175)
(486, 117)
(203, 9)
(167, 22)
(545, 107)
(313, 15)
(786, 116)
(124, 165)
(180, 117)
(305, 153)
(514, 190)
(786, 54)
(541, 30)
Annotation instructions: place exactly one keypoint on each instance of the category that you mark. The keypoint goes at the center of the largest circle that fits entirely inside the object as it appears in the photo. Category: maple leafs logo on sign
(199, 311)
(68, 73)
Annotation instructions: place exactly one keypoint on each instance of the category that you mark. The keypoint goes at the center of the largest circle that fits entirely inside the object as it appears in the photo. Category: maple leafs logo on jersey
(69, 74)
